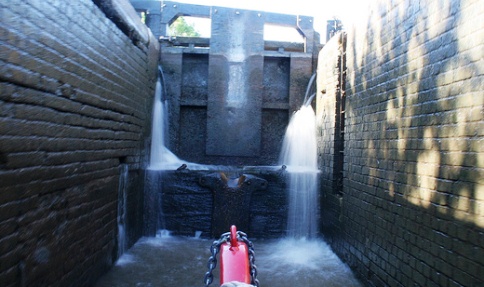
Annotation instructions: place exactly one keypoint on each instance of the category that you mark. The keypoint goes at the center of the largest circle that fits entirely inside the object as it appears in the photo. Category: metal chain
(253, 267)
(215, 248)
(212, 260)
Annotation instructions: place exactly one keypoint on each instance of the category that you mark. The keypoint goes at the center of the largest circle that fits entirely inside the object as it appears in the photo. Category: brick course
(411, 212)
(75, 105)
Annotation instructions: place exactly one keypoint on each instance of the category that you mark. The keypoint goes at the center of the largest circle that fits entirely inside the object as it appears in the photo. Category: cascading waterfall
(299, 154)
(300, 259)
(122, 201)
(161, 157)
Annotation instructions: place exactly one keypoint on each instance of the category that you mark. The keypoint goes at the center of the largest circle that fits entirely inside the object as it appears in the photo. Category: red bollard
(234, 260)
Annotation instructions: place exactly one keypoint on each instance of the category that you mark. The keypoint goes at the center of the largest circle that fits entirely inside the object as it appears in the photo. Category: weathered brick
(412, 105)
(75, 97)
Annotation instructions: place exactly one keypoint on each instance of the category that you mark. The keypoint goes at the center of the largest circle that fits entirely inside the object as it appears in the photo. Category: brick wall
(328, 109)
(412, 208)
(75, 105)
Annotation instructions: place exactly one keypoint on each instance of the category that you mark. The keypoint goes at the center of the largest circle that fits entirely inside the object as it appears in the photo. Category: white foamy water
(299, 149)
(299, 154)
(167, 261)
(161, 158)
(301, 262)
(125, 259)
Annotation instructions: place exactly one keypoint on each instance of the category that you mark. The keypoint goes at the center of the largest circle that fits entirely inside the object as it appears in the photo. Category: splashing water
(161, 158)
(299, 154)
(168, 260)
(160, 155)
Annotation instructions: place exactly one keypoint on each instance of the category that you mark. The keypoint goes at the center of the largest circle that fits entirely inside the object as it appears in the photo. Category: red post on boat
(234, 260)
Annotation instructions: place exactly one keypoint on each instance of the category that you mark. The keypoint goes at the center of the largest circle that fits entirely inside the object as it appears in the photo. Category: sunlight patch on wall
(428, 166)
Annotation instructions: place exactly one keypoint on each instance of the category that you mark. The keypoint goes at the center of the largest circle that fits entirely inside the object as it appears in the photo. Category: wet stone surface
(178, 201)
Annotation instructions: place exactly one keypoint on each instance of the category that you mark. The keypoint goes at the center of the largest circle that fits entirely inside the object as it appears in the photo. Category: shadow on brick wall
(411, 200)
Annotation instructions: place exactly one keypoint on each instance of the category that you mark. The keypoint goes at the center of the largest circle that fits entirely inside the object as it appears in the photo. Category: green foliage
(143, 17)
(182, 29)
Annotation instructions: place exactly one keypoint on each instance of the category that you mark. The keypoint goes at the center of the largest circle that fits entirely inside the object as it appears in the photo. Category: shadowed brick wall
(330, 135)
(75, 108)
(411, 209)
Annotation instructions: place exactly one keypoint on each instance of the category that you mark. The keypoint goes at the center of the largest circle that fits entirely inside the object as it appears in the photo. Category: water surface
(169, 261)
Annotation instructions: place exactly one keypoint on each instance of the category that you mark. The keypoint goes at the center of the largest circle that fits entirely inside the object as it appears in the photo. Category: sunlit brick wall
(412, 211)
(75, 97)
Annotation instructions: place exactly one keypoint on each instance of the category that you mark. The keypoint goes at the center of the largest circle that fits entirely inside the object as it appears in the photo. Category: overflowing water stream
(161, 157)
(300, 259)
(122, 206)
(299, 154)
(169, 261)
